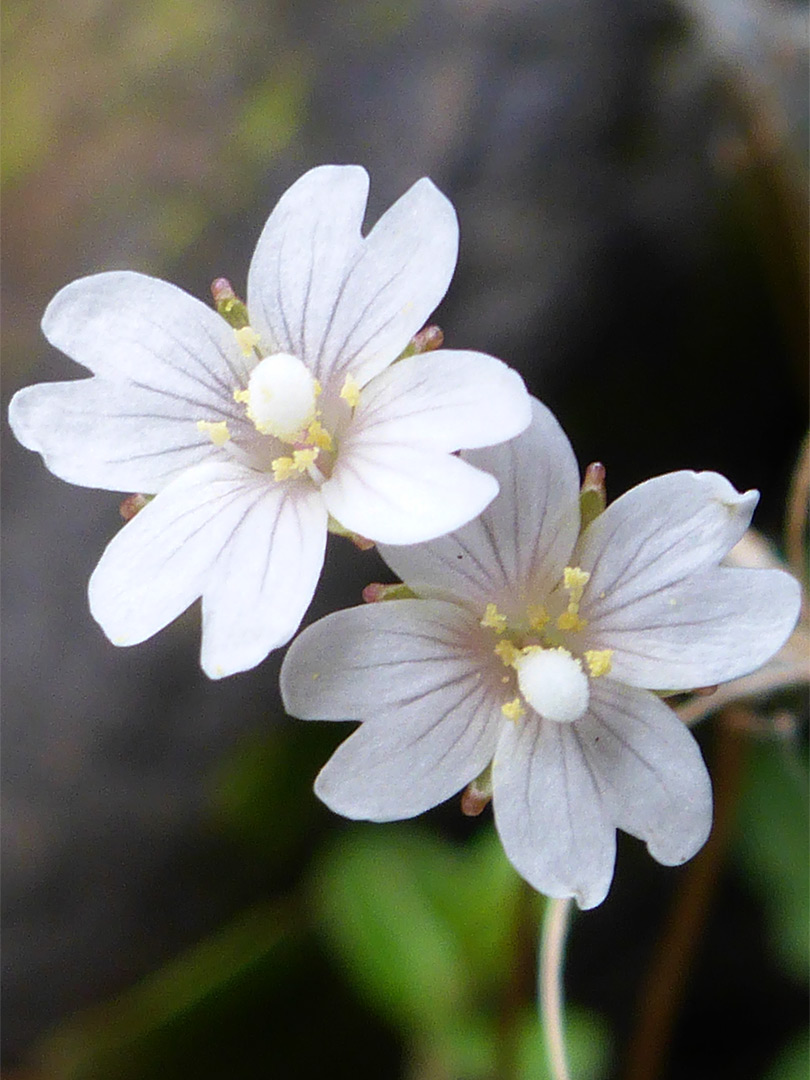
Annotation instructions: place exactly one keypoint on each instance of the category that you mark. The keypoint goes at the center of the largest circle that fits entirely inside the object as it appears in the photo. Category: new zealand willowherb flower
(258, 435)
(528, 658)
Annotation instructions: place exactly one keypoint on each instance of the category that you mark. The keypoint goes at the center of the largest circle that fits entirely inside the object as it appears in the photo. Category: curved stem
(556, 919)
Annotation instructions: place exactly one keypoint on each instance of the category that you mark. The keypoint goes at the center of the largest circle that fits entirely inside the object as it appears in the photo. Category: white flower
(252, 438)
(536, 649)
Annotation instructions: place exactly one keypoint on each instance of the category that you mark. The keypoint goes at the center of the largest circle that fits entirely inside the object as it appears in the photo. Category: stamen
(248, 339)
(351, 391)
(304, 458)
(318, 436)
(538, 617)
(507, 652)
(493, 619)
(571, 620)
(283, 468)
(574, 582)
(300, 462)
(216, 430)
(513, 710)
(599, 661)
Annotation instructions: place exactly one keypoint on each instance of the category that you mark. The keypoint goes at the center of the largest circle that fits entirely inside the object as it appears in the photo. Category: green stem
(556, 919)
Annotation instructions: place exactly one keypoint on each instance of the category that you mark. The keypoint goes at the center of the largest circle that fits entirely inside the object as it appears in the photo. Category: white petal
(351, 664)
(129, 326)
(712, 627)
(516, 550)
(263, 581)
(549, 812)
(160, 562)
(317, 289)
(405, 668)
(399, 495)
(445, 400)
(657, 534)
(110, 434)
(649, 769)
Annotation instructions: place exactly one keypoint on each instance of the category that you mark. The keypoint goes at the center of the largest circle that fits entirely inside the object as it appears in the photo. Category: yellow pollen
(493, 619)
(248, 339)
(351, 391)
(317, 389)
(538, 617)
(319, 436)
(598, 661)
(571, 620)
(574, 581)
(283, 468)
(513, 710)
(507, 652)
(217, 431)
(242, 396)
(304, 458)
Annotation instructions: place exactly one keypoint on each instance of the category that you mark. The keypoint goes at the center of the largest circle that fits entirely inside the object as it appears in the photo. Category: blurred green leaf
(476, 892)
(276, 109)
(377, 915)
(587, 1042)
(794, 1062)
(433, 935)
(471, 1049)
(774, 844)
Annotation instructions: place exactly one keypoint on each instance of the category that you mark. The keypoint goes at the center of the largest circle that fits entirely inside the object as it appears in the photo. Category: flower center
(553, 683)
(550, 668)
(280, 397)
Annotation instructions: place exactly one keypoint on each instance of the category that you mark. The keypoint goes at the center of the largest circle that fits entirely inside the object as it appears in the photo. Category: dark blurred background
(630, 179)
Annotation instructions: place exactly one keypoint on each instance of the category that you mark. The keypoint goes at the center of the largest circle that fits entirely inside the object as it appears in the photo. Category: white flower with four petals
(252, 438)
(534, 646)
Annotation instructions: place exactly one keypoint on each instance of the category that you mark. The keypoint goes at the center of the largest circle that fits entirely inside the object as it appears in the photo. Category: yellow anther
(493, 619)
(216, 430)
(242, 396)
(283, 468)
(513, 710)
(302, 459)
(574, 581)
(538, 617)
(318, 436)
(351, 391)
(571, 620)
(598, 661)
(248, 339)
(507, 651)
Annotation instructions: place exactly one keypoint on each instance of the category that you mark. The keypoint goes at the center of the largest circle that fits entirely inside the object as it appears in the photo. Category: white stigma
(281, 396)
(553, 683)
